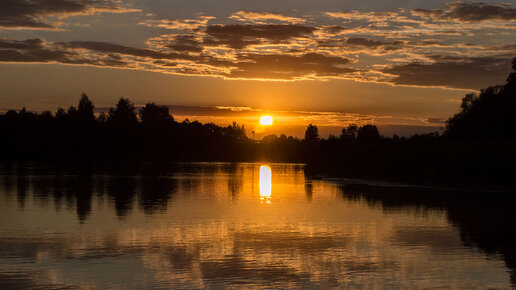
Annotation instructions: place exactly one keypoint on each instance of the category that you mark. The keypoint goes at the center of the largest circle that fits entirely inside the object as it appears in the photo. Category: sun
(266, 120)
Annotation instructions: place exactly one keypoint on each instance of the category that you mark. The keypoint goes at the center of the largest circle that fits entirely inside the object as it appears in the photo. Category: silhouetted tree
(71, 113)
(311, 134)
(11, 115)
(488, 115)
(236, 131)
(368, 133)
(124, 115)
(85, 109)
(153, 114)
(269, 138)
(61, 114)
(102, 117)
(511, 79)
(349, 133)
(46, 116)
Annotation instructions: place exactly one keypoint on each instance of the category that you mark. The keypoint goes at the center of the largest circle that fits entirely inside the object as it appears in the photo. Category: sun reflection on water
(265, 183)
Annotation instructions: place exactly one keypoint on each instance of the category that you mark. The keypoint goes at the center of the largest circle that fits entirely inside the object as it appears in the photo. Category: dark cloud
(37, 50)
(509, 47)
(270, 66)
(371, 44)
(31, 50)
(454, 72)
(112, 48)
(21, 44)
(469, 12)
(240, 36)
(289, 67)
(367, 42)
(30, 14)
(362, 43)
(108, 47)
(184, 54)
(185, 43)
(333, 29)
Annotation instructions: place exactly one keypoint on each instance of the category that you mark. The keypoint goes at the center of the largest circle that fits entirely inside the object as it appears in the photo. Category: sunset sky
(403, 65)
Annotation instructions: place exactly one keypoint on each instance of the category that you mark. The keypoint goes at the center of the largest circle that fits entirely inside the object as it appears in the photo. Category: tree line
(124, 133)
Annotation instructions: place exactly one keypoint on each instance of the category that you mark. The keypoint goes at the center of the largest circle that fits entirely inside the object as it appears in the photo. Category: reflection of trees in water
(309, 190)
(236, 179)
(121, 190)
(150, 186)
(8, 183)
(21, 187)
(155, 193)
(84, 192)
(76, 189)
(485, 220)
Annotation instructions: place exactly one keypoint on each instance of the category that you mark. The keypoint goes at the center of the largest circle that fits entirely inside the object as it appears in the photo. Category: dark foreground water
(245, 225)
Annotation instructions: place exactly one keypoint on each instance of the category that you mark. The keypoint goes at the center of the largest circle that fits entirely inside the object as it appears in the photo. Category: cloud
(186, 43)
(367, 42)
(362, 42)
(376, 47)
(246, 65)
(107, 47)
(469, 12)
(32, 14)
(179, 24)
(37, 50)
(290, 67)
(185, 54)
(260, 17)
(332, 29)
(509, 48)
(239, 36)
(458, 19)
(368, 16)
(454, 72)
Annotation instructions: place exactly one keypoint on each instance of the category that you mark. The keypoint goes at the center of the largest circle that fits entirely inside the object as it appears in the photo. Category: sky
(402, 65)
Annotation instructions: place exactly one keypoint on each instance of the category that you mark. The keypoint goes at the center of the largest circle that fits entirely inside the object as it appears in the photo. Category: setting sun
(266, 120)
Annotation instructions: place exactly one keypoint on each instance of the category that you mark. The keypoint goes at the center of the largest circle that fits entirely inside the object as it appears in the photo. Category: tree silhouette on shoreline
(488, 115)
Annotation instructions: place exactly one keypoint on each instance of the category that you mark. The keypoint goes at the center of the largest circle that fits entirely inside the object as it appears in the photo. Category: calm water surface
(245, 225)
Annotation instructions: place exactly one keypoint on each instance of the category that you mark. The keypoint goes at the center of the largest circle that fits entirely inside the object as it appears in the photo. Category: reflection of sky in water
(204, 226)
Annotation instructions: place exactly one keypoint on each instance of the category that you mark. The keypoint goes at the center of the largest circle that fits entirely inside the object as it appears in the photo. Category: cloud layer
(470, 12)
(34, 14)
(462, 45)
